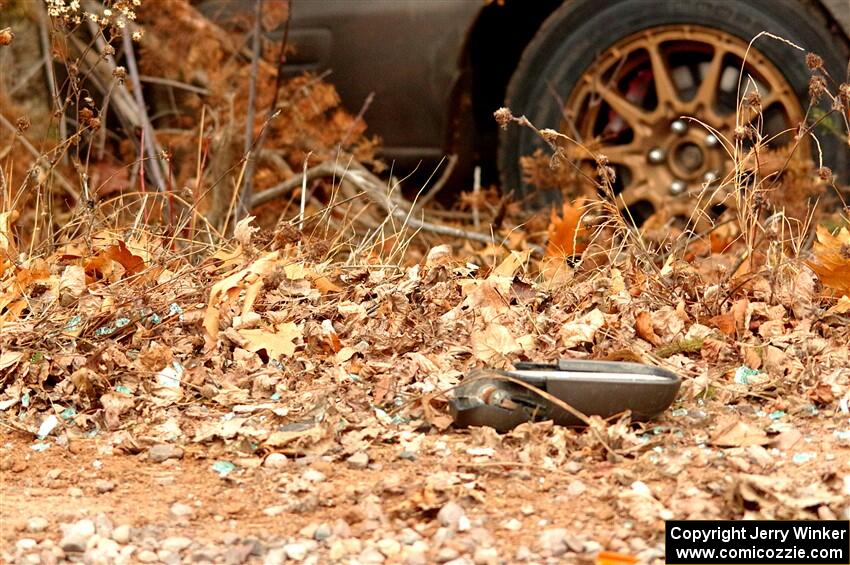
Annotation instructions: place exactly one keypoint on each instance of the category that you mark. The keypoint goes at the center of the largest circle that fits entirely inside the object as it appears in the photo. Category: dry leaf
(565, 232)
(277, 343)
(644, 328)
(582, 330)
(832, 259)
(244, 231)
(493, 344)
(229, 286)
(735, 433)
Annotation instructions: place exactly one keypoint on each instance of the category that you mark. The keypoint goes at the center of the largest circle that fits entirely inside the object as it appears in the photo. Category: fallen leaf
(230, 285)
(582, 330)
(277, 343)
(735, 433)
(493, 343)
(565, 232)
(645, 329)
(832, 259)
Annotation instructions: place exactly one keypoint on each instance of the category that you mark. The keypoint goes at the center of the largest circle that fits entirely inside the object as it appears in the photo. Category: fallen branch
(360, 177)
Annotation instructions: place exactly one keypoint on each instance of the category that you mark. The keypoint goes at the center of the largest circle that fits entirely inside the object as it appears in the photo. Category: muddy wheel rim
(639, 103)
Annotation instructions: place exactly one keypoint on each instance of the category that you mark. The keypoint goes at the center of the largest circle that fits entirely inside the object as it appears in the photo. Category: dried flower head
(503, 117)
(23, 124)
(753, 100)
(817, 86)
(119, 73)
(844, 94)
(813, 61)
(550, 136)
(825, 174)
(6, 36)
(743, 132)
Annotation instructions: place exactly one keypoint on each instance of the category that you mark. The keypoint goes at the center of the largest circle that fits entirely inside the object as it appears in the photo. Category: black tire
(570, 39)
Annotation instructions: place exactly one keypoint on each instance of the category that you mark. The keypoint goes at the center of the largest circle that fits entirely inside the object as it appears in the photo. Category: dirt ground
(461, 497)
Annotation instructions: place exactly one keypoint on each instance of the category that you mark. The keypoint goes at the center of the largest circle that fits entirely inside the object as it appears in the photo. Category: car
(622, 77)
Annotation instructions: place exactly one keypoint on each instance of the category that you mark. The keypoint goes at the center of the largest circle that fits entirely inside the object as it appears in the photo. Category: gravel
(163, 452)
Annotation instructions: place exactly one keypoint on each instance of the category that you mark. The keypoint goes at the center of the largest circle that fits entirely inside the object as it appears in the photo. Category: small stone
(370, 555)
(276, 461)
(237, 554)
(389, 547)
(447, 554)
(512, 525)
(295, 551)
(359, 460)
(451, 514)
(121, 534)
(75, 492)
(274, 510)
(337, 550)
(523, 553)
(553, 542)
(175, 544)
(37, 524)
(103, 486)
(486, 556)
(103, 525)
(313, 476)
(168, 557)
(182, 511)
(276, 556)
(146, 556)
(323, 532)
(25, 544)
(409, 536)
(407, 455)
(76, 536)
(164, 451)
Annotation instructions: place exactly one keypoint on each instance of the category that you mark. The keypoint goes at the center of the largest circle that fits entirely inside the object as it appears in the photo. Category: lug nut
(710, 177)
(711, 140)
(656, 156)
(677, 187)
(679, 127)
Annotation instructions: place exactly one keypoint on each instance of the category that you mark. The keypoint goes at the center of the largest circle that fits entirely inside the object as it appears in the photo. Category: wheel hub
(633, 106)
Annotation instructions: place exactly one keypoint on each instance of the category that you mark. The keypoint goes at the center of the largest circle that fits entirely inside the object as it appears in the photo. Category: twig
(373, 187)
(150, 145)
(476, 193)
(44, 38)
(175, 84)
(247, 188)
(441, 182)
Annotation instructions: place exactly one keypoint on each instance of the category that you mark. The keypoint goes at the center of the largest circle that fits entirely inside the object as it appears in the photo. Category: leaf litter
(252, 360)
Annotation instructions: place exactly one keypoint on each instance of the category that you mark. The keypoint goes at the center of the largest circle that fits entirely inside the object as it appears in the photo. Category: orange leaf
(565, 232)
(612, 558)
(120, 254)
(832, 259)
(644, 327)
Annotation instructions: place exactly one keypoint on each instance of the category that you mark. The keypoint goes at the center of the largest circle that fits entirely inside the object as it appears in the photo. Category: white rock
(37, 524)
(121, 534)
(175, 544)
(276, 461)
(180, 510)
(295, 551)
(314, 476)
(76, 536)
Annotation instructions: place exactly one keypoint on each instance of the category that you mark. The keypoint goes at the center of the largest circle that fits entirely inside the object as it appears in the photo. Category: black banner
(757, 542)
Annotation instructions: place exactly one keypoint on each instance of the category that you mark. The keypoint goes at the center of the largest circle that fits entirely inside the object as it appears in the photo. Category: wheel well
(492, 51)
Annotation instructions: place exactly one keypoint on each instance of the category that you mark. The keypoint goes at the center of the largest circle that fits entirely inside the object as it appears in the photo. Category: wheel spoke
(665, 89)
(627, 155)
(632, 114)
(707, 93)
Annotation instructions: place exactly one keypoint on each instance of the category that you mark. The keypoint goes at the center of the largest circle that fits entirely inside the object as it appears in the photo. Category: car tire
(574, 35)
